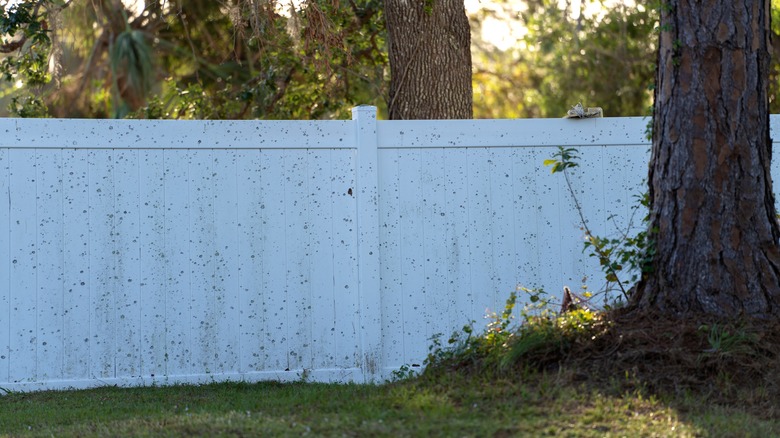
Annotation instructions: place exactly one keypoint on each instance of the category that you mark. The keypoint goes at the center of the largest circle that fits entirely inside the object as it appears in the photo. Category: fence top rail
(513, 133)
(323, 134)
(176, 134)
(330, 134)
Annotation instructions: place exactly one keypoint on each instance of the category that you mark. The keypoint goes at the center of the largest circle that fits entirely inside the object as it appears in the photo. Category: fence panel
(159, 252)
(473, 214)
(140, 252)
(23, 286)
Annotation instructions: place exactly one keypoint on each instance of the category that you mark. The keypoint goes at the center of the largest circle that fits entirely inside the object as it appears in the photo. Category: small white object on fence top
(578, 112)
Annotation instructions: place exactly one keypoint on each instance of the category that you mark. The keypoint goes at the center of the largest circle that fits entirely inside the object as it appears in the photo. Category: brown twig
(12, 46)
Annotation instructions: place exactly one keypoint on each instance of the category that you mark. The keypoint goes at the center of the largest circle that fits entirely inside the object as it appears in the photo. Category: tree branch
(12, 46)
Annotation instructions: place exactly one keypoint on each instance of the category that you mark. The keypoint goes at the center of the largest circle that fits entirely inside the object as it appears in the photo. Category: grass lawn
(555, 404)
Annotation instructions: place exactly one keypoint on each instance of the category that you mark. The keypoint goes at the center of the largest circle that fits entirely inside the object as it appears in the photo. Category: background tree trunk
(429, 45)
(712, 206)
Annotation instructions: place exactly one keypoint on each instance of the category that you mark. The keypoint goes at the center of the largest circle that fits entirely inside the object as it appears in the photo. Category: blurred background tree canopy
(568, 53)
(314, 59)
(201, 59)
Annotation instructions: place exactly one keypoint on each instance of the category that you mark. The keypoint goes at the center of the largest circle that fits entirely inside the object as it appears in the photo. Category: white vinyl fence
(159, 252)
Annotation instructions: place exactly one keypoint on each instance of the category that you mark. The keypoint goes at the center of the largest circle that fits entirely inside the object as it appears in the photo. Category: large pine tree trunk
(430, 59)
(712, 206)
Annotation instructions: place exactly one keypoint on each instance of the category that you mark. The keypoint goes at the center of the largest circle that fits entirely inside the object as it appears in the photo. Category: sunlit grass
(450, 405)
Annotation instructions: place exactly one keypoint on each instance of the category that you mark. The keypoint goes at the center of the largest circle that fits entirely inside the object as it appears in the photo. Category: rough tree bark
(430, 59)
(712, 206)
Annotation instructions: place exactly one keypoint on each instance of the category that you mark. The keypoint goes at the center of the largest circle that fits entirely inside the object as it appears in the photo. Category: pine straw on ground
(725, 363)
(729, 364)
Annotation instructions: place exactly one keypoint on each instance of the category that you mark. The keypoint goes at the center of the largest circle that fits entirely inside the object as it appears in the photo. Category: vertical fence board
(458, 252)
(298, 281)
(177, 267)
(203, 319)
(153, 263)
(24, 262)
(393, 330)
(5, 267)
(50, 264)
(526, 202)
(251, 202)
(548, 221)
(276, 301)
(412, 254)
(323, 304)
(480, 234)
(345, 261)
(434, 220)
(76, 277)
(127, 263)
(504, 275)
(225, 281)
(102, 282)
(588, 190)
(775, 164)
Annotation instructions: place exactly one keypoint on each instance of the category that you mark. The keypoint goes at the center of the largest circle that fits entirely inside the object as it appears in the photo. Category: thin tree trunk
(430, 59)
(712, 206)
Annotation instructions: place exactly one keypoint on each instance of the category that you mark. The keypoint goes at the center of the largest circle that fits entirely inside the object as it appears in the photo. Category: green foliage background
(195, 59)
(261, 59)
(606, 60)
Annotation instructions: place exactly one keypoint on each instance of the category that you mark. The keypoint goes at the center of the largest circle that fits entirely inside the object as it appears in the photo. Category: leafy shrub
(541, 338)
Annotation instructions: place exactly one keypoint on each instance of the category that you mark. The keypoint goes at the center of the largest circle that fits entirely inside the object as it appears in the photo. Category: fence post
(367, 196)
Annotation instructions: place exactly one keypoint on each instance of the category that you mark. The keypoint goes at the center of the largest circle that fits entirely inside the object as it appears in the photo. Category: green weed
(624, 259)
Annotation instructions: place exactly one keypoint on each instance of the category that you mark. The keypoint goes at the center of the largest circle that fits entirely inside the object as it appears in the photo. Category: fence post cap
(363, 109)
